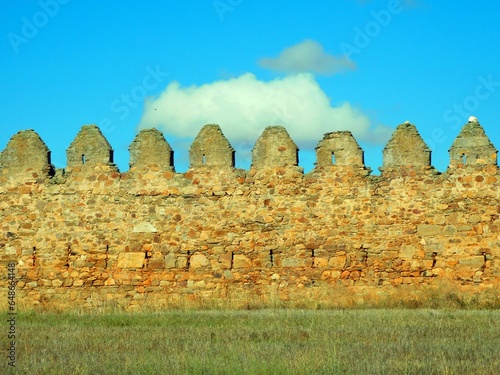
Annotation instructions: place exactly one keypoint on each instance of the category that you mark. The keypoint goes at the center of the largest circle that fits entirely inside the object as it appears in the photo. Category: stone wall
(92, 237)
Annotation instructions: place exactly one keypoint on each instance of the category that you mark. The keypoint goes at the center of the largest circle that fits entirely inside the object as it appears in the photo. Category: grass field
(280, 341)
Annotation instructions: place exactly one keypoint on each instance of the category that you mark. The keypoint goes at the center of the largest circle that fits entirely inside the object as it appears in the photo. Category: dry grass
(279, 341)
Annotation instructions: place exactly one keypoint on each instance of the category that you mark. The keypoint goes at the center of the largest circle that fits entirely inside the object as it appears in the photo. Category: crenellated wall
(91, 236)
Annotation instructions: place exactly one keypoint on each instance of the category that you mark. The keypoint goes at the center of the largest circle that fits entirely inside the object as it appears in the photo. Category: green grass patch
(376, 341)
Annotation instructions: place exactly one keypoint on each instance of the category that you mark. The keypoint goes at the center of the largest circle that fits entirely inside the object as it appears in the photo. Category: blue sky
(314, 67)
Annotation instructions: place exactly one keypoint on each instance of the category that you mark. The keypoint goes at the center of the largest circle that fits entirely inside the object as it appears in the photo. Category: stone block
(337, 262)
(241, 261)
(474, 219)
(131, 260)
(426, 230)
(181, 262)
(198, 261)
(475, 262)
(170, 260)
(225, 260)
(156, 263)
(407, 251)
(145, 227)
(320, 262)
(292, 262)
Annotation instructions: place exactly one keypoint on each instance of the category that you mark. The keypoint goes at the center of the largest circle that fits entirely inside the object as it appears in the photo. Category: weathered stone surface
(339, 148)
(406, 148)
(472, 147)
(26, 151)
(149, 149)
(89, 148)
(274, 148)
(211, 149)
(270, 234)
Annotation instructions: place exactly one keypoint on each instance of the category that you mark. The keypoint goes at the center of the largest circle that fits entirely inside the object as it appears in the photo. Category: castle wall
(226, 236)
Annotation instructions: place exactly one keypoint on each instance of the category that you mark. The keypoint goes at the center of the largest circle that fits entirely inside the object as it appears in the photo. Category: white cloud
(245, 106)
(307, 56)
